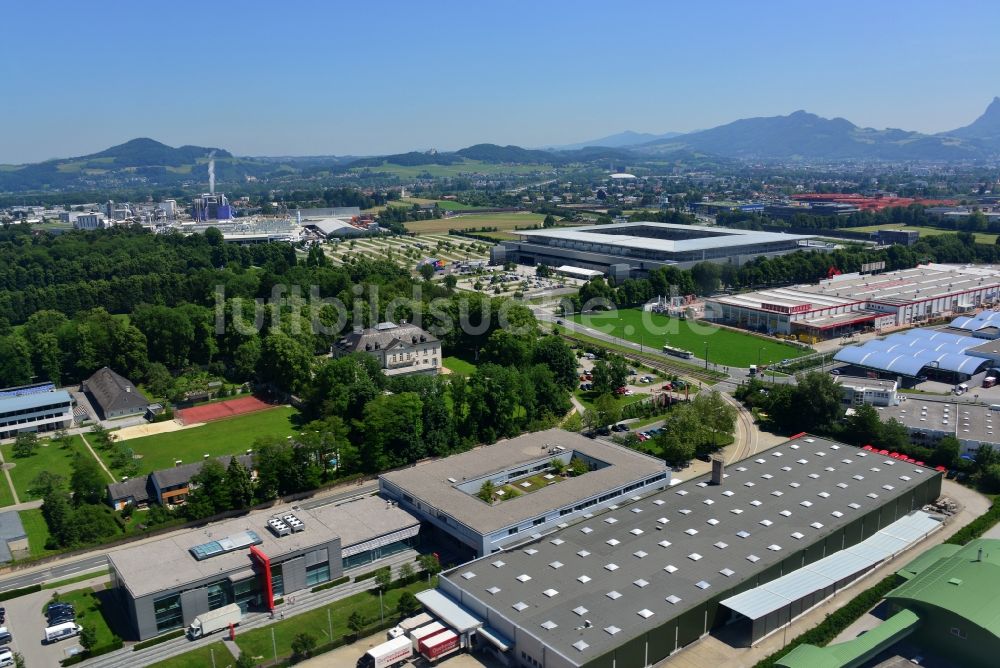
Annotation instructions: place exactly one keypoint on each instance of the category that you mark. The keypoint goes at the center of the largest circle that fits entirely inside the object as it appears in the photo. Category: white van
(62, 631)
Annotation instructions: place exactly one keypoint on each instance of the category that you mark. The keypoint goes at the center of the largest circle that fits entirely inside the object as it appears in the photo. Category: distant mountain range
(620, 140)
(798, 136)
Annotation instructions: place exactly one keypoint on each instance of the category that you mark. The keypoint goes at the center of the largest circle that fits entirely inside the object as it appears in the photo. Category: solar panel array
(225, 545)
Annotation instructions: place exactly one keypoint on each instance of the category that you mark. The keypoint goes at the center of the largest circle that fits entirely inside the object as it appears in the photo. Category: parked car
(6, 657)
(835, 372)
(5, 636)
(603, 431)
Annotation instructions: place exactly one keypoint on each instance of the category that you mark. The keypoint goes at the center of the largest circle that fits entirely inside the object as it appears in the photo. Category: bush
(370, 574)
(976, 527)
(157, 640)
(14, 593)
(331, 584)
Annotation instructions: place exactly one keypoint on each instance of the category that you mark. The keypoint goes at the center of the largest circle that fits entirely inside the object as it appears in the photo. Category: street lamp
(706, 355)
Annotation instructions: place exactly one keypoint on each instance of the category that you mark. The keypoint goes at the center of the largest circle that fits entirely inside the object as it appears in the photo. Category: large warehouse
(856, 302)
(628, 586)
(252, 560)
(632, 250)
(919, 353)
(444, 493)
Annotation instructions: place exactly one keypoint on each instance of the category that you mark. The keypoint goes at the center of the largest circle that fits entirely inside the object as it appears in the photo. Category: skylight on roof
(637, 510)
(530, 551)
(712, 521)
(905, 478)
(580, 645)
(736, 511)
(670, 568)
(612, 542)
(583, 553)
(806, 504)
(774, 548)
(585, 530)
(611, 630)
(854, 505)
(557, 541)
(659, 502)
(556, 564)
(743, 534)
(748, 484)
(691, 532)
(721, 545)
(580, 610)
(785, 513)
(613, 595)
(837, 513)
(797, 536)
(640, 583)
(694, 556)
(645, 613)
(548, 625)
(493, 590)
(611, 567)
(786, 468)
(639, 554)
(753, 558)
(793, 484)
(794, 446)
(681, 492)
(664, 543)
(777, 493)
(760, 460)
(816, 525)
(888, 487)
(523, 577)
(767, 476)
(872, 495)
(673, 600)
(755, 502)
(499, 564)
(551, 593)
(766, 523)
(684, 511)
(468, 575)
(520, 606)
(814, 476)
(728, 492)
(823, 495)
(728, 572)
(842, 485)
(584, 579)
(610, 520)
(709, 502)
(803, 461)
(636, 532)
(741, 469)
(663, 520)
(701, 584)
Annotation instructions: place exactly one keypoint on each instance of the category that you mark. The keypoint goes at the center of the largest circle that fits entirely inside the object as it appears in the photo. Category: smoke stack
(211, 172)
(718, 469)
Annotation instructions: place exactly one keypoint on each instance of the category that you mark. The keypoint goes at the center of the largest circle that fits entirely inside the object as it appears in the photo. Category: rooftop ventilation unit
(278, 527)
(294, 522)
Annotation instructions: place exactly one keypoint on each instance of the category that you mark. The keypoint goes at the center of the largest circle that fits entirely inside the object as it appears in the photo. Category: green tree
(392, 429)
(159, 380)
(864, 427)
(356, 623)
(487, 491)
(407, 605)
(239, 484)
(718, 416)
(406, 572)
(45, 483)
(302, 645)
(25, 444)
(57, 513)
(675, 450)
(549, 221)
(426, 271)
(553, 352)
(429, 564)
(947, 452)
(245, 661)
(573, 423)
(606, 410)
(209, 493)
(88, 637)
(577, 466)
(557, 465)
(610, 374)
(383, 578)
(87, 481)
(15, 361)
(450, 281)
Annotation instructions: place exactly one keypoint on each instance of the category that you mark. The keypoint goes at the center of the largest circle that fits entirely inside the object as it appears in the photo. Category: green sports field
(725, 347)
(981, 237)
(224, 437)
(501, 221)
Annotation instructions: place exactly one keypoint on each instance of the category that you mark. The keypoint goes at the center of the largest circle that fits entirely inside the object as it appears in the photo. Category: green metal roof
(963, 584)
(927, 559)
(853, 652)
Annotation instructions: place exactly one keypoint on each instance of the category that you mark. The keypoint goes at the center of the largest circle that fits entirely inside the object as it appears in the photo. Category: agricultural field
(408, 251)
(981, 237)
(501, 221)
(725, 347)
(224, 437)
(443, 204)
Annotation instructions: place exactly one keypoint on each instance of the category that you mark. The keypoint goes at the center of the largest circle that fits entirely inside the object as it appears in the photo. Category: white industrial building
(930, 421)
(855, 302)
(871, 391)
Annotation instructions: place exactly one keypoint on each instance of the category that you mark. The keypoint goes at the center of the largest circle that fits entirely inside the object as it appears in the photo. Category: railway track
(659, 363)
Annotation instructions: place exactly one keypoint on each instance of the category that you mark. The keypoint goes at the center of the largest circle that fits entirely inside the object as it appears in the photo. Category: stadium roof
(618, 234)
(965, 584)
(633, 566)
(907, 353)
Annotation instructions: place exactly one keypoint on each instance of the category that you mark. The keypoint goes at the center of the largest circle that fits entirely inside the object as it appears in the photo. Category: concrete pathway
(10, 481)
(99, 460)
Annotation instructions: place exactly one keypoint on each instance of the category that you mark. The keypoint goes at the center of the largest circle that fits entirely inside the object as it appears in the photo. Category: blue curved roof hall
(908, 353)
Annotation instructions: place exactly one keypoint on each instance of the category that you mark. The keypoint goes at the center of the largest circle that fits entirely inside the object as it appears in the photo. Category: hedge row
(339, 642)
(14, 593)
(977, 527)
(331, 584)
(837, 621)
(113, 646)
(157, 640)
(370, 574)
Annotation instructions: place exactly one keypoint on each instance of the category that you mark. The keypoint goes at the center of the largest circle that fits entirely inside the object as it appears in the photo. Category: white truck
(407, 625)
(388, 654)
(214, 620)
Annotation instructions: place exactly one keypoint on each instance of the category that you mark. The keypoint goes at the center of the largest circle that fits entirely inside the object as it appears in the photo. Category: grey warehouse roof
(635, 566)
(141, 569)
(429, 482)
(721, 237)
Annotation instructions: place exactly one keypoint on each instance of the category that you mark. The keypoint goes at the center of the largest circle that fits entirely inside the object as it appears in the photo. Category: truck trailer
(416, 635)
(388, 654)
(408, 624)
(214, 620)
(440, 644)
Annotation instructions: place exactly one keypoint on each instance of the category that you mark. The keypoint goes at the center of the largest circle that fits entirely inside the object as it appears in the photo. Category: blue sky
(307, 78)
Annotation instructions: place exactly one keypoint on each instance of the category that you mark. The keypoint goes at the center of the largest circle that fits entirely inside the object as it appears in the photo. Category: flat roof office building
(34, 412)
(443, 493)
(855, 302)
(628, 586)
(632, 250)
(164, 584)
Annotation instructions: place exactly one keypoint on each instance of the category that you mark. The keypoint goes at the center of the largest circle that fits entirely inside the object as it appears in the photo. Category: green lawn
(200, 658)
(258, 641)
(88, 612)
(725, 347)
(6, 497)
(459, 366)
(981, 237)
(49, 457)
(225, 437)
(443, 171)
(501, 221)
(587, 398)
(37, 530)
